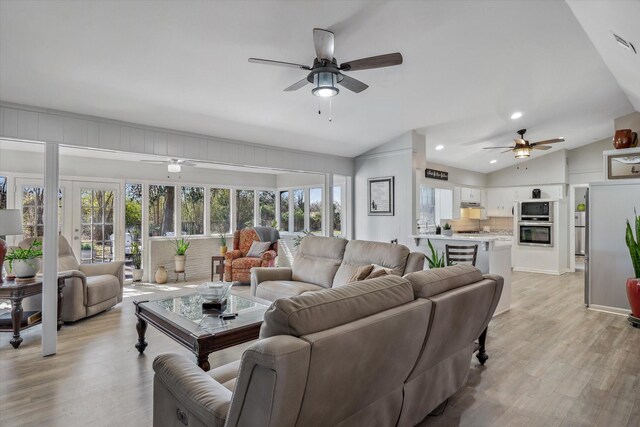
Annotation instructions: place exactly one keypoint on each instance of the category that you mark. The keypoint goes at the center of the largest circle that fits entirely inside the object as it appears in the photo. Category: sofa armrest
(268, 256)
(265, 274)
(231, 255)
(114, 268)
(197, 391)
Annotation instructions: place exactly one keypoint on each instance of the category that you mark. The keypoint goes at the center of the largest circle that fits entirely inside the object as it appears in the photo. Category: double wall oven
(535, 223)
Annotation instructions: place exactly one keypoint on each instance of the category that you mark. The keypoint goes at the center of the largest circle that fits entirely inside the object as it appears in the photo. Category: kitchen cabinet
(500, 201)
(468, 194)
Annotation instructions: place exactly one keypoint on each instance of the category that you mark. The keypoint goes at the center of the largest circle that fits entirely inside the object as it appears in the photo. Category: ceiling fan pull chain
(330, 111)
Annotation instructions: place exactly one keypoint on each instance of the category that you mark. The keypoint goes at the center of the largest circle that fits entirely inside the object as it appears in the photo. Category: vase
(137, 274)
(624, 138)
(180, 261)
(633, 294)
(223, 250)
(161, 275)
(26, 268)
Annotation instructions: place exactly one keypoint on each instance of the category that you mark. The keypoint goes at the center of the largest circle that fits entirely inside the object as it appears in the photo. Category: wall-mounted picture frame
(623, 166)
(381, 196)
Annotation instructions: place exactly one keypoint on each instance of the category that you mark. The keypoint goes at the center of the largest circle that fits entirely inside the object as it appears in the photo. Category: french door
(96, 222)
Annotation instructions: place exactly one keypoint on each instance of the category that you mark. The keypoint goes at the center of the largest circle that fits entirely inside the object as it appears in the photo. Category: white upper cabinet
(468, 194)
(500, 201)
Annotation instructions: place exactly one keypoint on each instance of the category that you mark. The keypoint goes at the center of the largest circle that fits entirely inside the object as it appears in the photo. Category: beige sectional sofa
(381, 352)
(327, 262)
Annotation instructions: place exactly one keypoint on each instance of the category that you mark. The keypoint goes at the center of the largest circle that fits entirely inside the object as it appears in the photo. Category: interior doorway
(577, 226)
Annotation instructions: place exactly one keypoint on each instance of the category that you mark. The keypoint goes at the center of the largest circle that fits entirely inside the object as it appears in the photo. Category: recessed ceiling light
(516, 115)
(493, 161)
(439, 147)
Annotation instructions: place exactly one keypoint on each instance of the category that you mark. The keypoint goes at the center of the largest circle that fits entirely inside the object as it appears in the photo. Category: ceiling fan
(325, 72)
(173, 165)
(523, 148)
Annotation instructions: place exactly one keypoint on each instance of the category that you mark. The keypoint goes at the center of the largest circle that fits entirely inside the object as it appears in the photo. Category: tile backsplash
(496, 224)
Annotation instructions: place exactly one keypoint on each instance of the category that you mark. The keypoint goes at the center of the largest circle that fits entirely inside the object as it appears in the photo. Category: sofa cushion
(275, 289)
(101, 288)
(226, 374)
(362, 252)
(246, 263)
(361, 273)
(318, 311)
(428, 283)
(318, 259)
(258, 248)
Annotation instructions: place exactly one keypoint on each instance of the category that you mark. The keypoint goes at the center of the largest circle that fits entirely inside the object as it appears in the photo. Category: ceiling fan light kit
(523, 153)
(174, 168)
(325, 85)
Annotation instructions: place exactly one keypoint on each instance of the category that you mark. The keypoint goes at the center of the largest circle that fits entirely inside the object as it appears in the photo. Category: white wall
(630, 121)
(547, 169)
(293, 179)
(394, 158)
(458, 176)
(586, 163)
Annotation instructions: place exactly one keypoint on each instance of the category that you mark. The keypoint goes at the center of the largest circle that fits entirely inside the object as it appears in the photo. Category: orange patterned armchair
(237, 266)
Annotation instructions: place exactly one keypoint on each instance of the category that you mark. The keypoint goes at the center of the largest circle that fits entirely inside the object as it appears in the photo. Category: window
(315, 211)
(96, 237)
(33, 211)
(161, 210)
(192, 210)
(244, 209)
(337, 211)
(220, 211)
(132, 216)
(298, 210)
(267, 203)
(284, 211)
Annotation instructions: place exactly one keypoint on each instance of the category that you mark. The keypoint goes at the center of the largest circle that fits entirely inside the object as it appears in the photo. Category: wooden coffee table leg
(60, 298)
(141, 327)
(16, 317)
(203, 361)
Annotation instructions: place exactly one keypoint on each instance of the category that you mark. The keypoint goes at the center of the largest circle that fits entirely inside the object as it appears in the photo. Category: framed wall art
(381, 196)
(623, 166)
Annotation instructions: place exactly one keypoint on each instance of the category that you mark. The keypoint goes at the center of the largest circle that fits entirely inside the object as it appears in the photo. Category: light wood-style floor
(552, 363)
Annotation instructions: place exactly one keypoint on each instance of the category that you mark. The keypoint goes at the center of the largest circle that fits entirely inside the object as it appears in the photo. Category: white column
(50, 251)
(146, 246)
(328, 205)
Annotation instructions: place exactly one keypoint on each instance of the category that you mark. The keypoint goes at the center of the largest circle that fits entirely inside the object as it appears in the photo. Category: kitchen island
(494, 256)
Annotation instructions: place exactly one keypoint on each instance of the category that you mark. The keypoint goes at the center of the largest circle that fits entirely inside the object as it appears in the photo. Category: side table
(219, 268)
(16, 292)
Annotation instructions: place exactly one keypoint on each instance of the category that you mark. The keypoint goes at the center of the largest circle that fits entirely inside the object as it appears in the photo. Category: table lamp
(10, 224)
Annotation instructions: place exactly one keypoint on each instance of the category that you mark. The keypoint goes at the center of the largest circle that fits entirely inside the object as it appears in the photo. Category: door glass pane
(337, 211)
(161, 210)
(132, 217)
(267, 201)
(284, 211)
(244, 209)
(220, 210)
(96, 238)
(315, 211)
(192, 210)
(33, 211)
(298, 210)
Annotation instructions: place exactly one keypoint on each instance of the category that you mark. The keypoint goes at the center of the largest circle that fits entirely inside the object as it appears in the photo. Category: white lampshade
(10, 222)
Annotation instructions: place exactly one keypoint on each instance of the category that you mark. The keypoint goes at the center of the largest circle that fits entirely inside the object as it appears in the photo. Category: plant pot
(161, 275)
(180, 261)
(137, 274)
(26, 268)
(633, 294)
(447, 232)
(223, 250)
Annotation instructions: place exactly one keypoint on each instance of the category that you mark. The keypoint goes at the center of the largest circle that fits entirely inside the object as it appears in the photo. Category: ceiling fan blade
(549, 141)
(540, 147)
(278, 63)
(352, 84)
(506, 151)
(157, 162)
(379, 61)
(491, 148)
(324, 43)
(297, 85)
(520, 141)
(187, 163)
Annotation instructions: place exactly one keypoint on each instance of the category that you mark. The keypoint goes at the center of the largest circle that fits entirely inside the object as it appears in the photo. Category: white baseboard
(535, 270)
(611, 310)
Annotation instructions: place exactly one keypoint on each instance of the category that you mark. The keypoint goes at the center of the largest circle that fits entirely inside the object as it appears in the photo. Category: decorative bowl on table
(214, 291)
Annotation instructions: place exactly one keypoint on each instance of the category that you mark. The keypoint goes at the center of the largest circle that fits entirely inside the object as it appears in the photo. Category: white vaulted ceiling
(183, 65)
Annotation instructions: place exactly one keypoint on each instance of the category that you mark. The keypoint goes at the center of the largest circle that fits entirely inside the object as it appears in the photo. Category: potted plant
(633, 284)
(446, 230)
(136, 258)
(223, 244)
(25, 263)
(436, 260)
(181, 253)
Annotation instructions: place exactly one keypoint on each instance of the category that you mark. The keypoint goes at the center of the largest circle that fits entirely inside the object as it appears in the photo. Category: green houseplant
(136, 258)
(181, 253)
(223, 243)
(633, 283)
(446, 230)
(436, 260)
(25, 263)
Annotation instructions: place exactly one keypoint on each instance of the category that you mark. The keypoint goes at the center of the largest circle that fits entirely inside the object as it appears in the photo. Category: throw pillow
(257, 249)
(378, 273)
(361, 273)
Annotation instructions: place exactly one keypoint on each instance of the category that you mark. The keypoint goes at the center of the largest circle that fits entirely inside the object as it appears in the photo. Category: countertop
(469, 237)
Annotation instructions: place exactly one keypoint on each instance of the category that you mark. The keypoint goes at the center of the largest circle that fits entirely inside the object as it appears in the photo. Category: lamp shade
(10, 222)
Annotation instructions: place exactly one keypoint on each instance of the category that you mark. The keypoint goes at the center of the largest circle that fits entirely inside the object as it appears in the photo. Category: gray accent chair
(381, 352)
(326, 262)
(96, 287)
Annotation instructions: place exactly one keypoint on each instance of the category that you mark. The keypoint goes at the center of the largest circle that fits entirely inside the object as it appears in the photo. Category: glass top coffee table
(201, 331)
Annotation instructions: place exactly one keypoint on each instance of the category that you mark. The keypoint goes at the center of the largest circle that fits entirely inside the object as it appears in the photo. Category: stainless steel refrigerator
(607, 260)
(581, 232)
